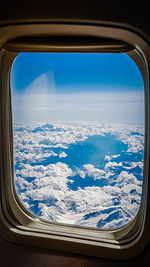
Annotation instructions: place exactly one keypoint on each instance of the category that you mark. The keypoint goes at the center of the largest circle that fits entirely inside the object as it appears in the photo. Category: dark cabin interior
(134, 15)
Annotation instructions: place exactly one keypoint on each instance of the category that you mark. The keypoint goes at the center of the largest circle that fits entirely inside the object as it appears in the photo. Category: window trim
(21, 227)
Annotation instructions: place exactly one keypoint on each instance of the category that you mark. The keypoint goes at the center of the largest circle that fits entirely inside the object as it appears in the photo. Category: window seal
(21, 226)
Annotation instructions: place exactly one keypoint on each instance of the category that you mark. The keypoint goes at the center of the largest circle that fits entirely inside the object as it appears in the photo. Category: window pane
(78, 123)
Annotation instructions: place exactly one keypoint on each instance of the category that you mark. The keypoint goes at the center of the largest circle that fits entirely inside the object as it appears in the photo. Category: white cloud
(60, 198)
(135, 142)
(125, 178)
(34, 157)
(62, 155)
(134, 165)
(107, 157)
(80, 172)
(48, 184)
(112, 164)
(65, 134)
(94, 172)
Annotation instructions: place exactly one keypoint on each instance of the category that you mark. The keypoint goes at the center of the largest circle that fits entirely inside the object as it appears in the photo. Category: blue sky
(48, 86)
(73, 70)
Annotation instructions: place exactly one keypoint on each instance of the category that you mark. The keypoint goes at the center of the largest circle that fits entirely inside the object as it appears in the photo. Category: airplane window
(78, 121)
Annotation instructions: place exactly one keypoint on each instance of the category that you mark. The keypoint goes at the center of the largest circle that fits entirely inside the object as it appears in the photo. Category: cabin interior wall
(136, 16)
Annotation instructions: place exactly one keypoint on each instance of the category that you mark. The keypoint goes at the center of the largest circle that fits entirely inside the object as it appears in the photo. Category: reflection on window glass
(78, 137)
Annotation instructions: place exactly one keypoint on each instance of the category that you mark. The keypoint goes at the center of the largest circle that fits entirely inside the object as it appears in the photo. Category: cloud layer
(45, 179)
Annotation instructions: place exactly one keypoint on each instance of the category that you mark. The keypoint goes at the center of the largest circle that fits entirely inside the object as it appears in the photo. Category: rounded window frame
(21, 226)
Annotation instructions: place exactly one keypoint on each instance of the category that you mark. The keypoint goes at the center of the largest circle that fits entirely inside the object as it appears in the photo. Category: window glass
(78, 121)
